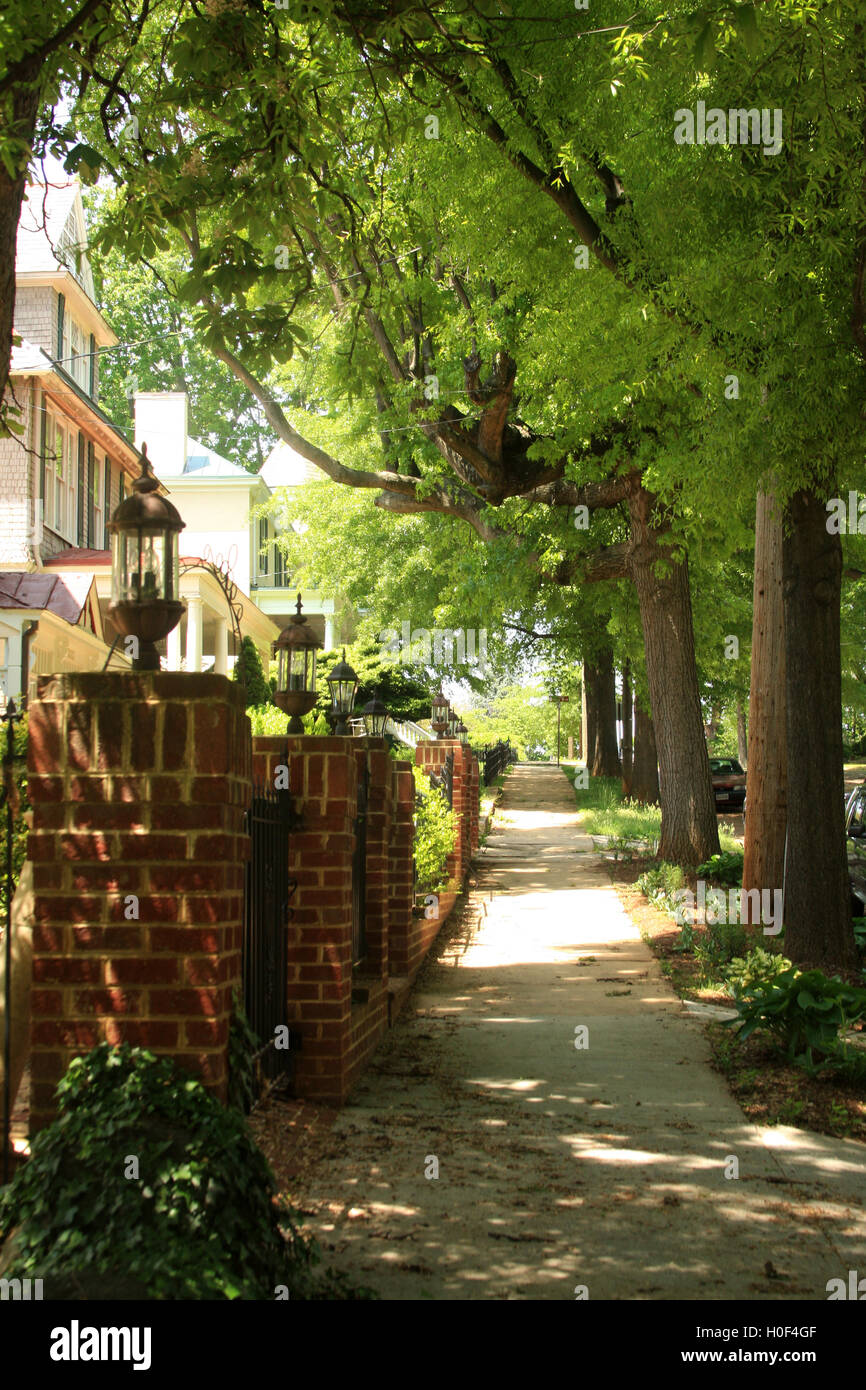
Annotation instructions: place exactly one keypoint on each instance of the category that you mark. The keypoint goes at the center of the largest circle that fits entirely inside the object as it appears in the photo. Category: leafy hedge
(19, 825)
(146, 1187)
(435, 829)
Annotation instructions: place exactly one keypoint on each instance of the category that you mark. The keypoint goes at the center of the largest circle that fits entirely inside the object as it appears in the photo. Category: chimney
(161, 423)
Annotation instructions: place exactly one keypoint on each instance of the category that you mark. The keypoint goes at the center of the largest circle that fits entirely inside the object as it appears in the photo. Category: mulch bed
(292, 1135)
(769, 1089)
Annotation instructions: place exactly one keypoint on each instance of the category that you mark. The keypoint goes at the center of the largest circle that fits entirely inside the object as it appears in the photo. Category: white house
(219, 501)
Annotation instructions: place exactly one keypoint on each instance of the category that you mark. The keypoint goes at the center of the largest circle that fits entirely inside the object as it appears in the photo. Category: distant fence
(493, 759)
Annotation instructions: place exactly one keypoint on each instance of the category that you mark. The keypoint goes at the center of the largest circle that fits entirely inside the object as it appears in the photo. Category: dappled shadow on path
(607, 1164)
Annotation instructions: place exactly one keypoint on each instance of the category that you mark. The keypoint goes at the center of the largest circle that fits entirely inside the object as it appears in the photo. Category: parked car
(729, 784)
(855, 841)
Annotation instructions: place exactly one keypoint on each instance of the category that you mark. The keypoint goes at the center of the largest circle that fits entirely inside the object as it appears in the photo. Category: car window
(858, 810)
(723, 766)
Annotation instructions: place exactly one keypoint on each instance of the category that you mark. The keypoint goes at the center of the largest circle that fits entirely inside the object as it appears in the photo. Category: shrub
(725, 868)
(720, 944)
(661, 883)
(198, 1222)
(243, 1048)
(753, 968)
(804, 1012)
(248, 670)
(435, 829)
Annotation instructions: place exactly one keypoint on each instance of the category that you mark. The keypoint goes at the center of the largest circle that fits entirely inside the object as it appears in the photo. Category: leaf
(747, 26)
(705, 48)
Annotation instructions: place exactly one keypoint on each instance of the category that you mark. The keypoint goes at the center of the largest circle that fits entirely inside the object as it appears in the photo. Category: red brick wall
(323, 782)
(139, 782)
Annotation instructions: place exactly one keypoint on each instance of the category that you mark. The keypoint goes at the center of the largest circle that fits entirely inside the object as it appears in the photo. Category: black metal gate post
(268, 888)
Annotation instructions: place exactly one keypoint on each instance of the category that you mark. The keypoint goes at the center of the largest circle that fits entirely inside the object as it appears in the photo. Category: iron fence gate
(444, 778)
(268, 889)
(359, 873)
(495, 758)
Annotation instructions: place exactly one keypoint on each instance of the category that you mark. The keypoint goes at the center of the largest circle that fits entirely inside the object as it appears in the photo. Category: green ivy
(200, 1219)
(243, 1046)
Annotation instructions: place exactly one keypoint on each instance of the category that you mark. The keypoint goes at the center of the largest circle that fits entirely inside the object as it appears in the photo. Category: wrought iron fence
(494, 759)
(444, 778)
(268, 888)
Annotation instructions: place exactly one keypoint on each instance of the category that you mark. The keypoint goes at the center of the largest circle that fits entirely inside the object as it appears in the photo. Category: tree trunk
(766, 799)
(24, 104)
(742, 741)
(689, 827)
(603, 754)
(626, 728)
(817, 892)
(645, 767)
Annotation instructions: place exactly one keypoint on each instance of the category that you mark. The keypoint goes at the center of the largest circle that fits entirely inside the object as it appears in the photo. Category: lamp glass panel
(297, 669)
(152, 563)
(343, 695)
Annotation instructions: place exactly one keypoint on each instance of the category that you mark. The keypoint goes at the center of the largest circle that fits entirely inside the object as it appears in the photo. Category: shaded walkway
(559, 1167)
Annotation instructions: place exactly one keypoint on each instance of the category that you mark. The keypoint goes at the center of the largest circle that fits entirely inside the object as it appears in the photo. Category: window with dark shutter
(61, 310)
(82, 494)
(121, 487)
(92, 367)
(106, 505)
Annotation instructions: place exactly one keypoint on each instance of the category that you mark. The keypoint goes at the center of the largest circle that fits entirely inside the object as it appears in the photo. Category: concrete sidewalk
(559, 1166)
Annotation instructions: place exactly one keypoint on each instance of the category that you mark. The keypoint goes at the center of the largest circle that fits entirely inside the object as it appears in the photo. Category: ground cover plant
(770, 1087)
(147, 1187)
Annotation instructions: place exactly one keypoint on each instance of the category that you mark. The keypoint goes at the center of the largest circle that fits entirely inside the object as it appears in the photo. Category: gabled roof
(51, 233)
(29, 357)
(205, 464)
(285, 467)
(67, 597)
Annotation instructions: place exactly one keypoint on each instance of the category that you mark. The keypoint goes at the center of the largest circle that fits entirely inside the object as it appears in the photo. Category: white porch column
(221, 647)
(329, 633)
(193, 633)
(172, 650)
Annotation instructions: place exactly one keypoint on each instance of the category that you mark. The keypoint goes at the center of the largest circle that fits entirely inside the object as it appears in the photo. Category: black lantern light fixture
(439, 714)
(343, 683)
(461, 731)
(295, 650)
(451, 731)
(145, 573)
(375, 714)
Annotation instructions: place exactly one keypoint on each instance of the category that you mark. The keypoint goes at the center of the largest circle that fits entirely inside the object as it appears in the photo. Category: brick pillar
(323, 782)
(139, 782)
(402, 871)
